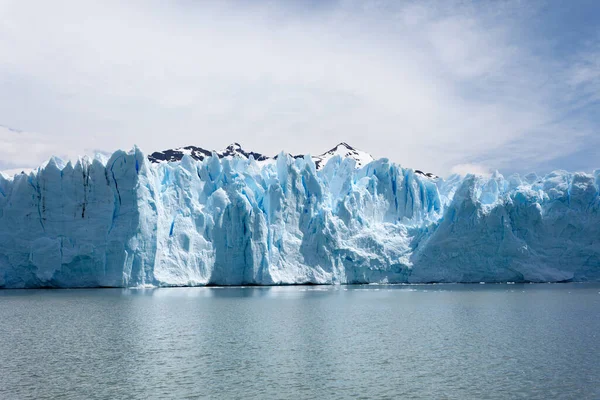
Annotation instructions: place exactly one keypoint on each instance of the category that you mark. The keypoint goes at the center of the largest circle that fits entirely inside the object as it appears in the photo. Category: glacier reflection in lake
(431, 341)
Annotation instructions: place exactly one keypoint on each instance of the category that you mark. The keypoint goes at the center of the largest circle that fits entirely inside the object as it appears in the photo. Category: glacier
(126, 222)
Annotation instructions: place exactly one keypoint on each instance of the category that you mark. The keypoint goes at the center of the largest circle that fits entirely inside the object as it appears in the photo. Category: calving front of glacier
(126, 222)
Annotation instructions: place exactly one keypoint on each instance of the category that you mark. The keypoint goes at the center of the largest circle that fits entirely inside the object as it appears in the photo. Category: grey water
(416, 342)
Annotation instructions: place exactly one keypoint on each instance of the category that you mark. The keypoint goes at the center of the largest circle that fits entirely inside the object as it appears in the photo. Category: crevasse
(125, 222)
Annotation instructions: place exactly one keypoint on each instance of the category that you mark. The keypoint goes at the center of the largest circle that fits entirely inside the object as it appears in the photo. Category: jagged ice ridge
(126, 222)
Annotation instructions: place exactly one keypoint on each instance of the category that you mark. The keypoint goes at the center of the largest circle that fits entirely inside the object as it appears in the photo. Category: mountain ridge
(342, 149)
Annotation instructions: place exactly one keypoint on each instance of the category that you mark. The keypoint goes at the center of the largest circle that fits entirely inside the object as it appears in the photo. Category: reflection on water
(397, 341)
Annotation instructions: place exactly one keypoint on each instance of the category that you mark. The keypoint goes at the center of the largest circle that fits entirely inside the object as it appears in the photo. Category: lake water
(432, 341)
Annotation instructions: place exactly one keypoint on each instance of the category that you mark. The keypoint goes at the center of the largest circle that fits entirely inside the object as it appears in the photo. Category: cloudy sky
(445, 86)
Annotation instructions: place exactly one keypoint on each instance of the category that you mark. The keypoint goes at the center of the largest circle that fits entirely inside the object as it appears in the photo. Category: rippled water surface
(433, 341)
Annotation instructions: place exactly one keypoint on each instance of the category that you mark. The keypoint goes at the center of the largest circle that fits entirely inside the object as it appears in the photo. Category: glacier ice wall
(125, 222)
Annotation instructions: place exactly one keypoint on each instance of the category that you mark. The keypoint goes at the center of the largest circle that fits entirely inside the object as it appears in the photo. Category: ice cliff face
(234, 220)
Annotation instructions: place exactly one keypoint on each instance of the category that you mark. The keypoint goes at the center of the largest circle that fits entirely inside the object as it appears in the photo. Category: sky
(449, 86)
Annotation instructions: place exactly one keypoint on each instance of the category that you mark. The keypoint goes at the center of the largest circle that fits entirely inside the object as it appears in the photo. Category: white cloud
(476, 169)
(431, 84)
(21, 149)
(8, 173)
(583, 75)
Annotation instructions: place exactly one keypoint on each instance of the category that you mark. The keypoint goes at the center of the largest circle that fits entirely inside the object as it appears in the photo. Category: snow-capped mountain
(426, 174)
(344, 150)
(198, 153)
